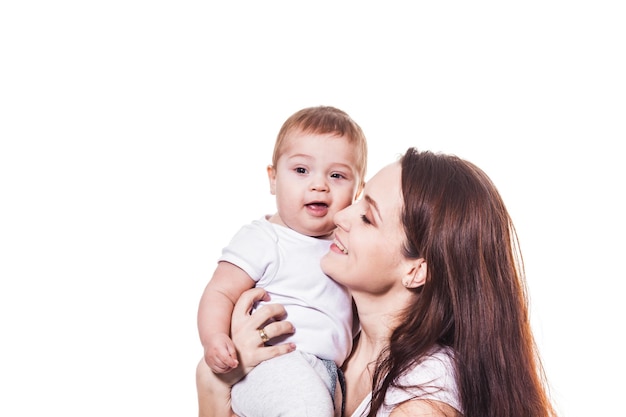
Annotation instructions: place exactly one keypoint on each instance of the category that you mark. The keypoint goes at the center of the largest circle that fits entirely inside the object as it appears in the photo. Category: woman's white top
(431, 379)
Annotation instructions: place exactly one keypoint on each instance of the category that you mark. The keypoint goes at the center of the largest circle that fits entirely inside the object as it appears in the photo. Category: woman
(429, 255)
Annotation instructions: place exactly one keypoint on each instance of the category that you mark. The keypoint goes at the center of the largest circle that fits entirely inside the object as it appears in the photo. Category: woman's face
(366, 255)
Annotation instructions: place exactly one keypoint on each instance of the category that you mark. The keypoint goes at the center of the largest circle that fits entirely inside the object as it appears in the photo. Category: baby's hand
(220, 354)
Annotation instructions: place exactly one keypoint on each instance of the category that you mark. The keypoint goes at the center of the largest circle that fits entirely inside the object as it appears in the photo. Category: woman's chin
(328, 262)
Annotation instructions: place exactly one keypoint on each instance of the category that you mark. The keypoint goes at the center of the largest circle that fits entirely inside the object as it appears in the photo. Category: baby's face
(314, 178)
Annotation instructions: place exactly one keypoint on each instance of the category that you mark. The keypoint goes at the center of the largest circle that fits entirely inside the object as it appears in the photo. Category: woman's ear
(271, 175)
(416, 276)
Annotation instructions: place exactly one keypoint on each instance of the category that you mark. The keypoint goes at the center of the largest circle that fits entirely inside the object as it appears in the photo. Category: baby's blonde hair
(325, 120)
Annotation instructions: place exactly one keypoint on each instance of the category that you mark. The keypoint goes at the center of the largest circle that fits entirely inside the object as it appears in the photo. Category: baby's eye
(365, 219)
(337, 175)
(300, 170)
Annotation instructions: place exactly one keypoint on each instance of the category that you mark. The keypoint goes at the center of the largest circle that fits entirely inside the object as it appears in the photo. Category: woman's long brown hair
(474, 299)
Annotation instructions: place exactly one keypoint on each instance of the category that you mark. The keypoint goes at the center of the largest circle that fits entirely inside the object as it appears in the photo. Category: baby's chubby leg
(295, 384)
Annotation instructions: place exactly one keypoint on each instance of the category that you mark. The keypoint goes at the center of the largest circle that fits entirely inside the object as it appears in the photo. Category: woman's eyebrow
(372, 203)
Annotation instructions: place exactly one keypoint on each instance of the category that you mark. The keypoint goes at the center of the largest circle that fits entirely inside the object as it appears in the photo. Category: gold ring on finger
(264, 337)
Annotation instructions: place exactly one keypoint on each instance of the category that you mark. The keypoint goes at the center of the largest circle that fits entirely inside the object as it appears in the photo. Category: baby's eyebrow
(299, 155)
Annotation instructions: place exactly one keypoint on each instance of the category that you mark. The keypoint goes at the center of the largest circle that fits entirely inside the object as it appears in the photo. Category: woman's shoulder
(438, 364)
(433, 377)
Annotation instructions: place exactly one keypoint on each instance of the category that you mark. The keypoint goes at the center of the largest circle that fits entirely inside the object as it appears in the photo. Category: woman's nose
(341, 218)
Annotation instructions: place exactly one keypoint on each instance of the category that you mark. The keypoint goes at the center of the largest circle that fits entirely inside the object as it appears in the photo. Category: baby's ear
(416, 275)
(271, 175)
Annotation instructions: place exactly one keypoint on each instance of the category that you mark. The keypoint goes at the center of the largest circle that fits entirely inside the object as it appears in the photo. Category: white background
(135, 135)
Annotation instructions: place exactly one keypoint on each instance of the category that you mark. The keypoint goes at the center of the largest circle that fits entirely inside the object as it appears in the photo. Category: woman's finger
(246, 330)
(270, 352)
(242, 318)
(249, 358)
(267, 313)
(278, 328)
(248, 298)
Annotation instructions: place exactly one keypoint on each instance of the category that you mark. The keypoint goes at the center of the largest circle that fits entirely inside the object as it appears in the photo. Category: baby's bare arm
(214, 315)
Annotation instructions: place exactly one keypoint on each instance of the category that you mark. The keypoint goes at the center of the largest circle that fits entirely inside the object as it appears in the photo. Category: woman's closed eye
(365, 219)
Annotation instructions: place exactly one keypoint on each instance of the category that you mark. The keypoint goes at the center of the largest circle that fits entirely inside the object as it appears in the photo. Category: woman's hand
(214, 389)
(246, 334)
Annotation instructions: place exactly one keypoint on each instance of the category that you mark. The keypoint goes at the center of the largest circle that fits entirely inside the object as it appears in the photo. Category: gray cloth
(296, 384)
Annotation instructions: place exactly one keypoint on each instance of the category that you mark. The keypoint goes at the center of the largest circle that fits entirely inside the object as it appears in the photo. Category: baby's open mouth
(317, 205)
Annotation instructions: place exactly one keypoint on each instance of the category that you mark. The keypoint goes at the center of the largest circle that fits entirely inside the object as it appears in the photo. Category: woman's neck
(380, 315)
(358, 370)
(377, 322)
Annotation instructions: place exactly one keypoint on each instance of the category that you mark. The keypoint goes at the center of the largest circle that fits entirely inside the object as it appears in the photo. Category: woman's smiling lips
(338, 247)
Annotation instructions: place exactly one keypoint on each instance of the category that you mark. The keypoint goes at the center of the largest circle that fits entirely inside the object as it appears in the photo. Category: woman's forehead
(387, 177)
(384, 188)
